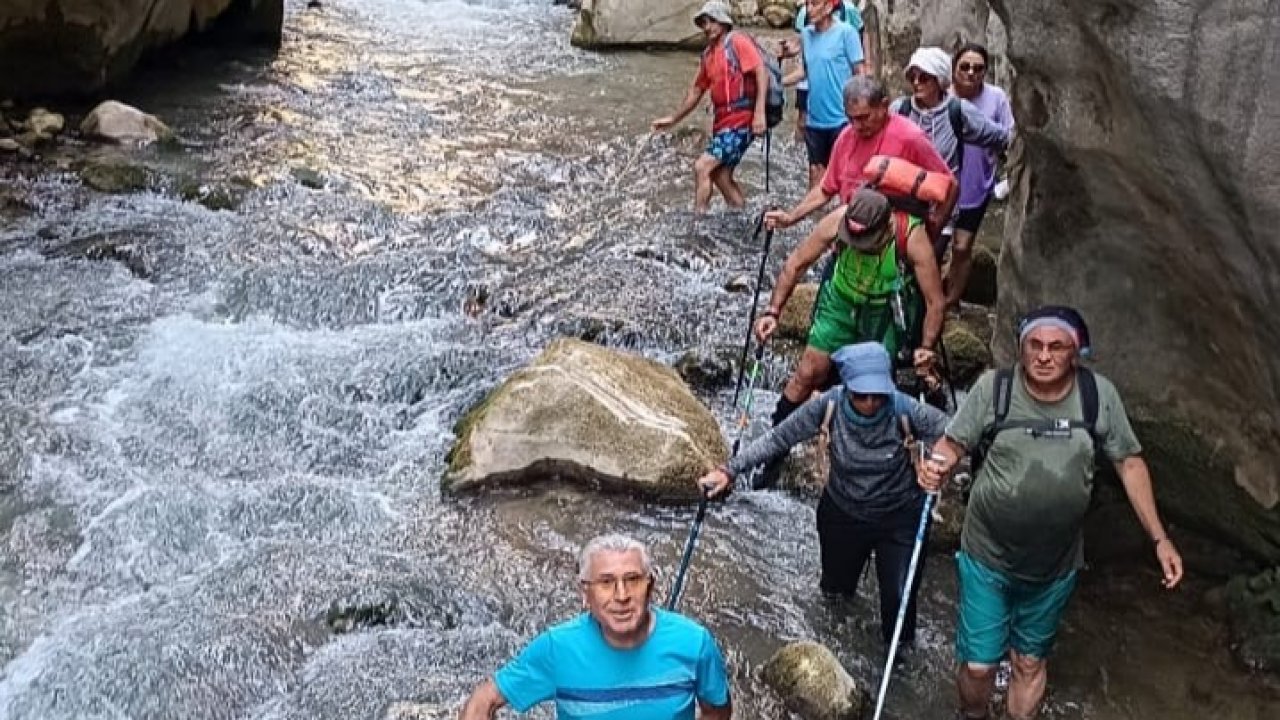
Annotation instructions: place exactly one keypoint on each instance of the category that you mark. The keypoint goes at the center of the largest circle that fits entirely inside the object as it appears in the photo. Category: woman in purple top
(978, 172)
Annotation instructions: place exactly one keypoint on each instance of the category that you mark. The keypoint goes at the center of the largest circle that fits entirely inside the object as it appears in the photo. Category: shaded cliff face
(78, 46)
(1151, 200)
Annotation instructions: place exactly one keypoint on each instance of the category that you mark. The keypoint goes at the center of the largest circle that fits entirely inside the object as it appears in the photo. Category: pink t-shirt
(900, 138)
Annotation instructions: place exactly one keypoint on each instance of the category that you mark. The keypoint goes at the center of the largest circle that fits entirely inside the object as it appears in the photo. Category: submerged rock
(308, 178)
(114, 177)
(707, 369)
(618, 23)
(813, 684)
(116, 122)
(586, 413)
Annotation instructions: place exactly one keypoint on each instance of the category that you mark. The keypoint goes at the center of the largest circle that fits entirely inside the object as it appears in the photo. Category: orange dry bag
(908, 186)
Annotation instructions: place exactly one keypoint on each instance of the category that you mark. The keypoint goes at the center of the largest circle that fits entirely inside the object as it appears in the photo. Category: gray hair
(864, 87)
(612, 542)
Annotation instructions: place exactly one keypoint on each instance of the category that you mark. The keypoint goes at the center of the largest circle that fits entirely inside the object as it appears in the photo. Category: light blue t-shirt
(659, 680)
(852, 15)
(829, 58)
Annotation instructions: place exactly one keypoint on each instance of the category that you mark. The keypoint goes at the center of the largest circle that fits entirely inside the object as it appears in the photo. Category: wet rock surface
(586, 413)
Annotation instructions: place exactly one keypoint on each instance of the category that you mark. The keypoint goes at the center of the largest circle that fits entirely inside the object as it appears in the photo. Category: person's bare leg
(722, 177)
(961, 263)
(975, 684)
(810, 373)
(703, 168)
(1026, 686)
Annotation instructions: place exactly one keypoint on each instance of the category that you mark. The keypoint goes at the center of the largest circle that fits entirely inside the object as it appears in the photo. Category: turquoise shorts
(998, 612)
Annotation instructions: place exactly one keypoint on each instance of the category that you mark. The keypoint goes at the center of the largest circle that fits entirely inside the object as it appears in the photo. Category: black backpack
(1002, 394)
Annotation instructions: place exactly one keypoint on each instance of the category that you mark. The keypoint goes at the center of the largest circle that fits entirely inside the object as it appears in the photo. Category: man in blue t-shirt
(832, 52)
(620, 660)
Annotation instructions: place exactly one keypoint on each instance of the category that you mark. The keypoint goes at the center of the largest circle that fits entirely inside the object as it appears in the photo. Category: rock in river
(116, 122)
(587, 413)
(813, 683)
(616, 23)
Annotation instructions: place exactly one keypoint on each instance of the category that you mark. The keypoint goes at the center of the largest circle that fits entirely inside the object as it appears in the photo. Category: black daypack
(1002, 395)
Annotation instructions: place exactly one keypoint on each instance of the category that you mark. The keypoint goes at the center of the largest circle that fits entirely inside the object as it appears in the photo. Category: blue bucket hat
(865, 368)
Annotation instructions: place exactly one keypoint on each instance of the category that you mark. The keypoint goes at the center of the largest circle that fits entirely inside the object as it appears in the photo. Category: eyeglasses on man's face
(631, 582)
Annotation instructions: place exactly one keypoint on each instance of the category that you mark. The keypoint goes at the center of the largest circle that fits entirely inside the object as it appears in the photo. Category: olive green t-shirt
(1030, 496)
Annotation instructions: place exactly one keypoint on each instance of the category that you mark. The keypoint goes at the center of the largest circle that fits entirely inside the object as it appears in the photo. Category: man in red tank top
(738, 96)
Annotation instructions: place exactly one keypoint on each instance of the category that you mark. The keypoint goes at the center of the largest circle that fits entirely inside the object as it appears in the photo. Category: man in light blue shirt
(621, 660)
(832, 52)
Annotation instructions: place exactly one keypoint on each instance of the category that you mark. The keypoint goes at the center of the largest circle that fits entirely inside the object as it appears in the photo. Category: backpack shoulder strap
(1089, 400)
(901, 231)
(1001, 395)
(955, 114)
(826, 416)
(904, 421)
(904, 106)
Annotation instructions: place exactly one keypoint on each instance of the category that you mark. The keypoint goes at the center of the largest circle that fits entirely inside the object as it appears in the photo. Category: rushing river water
(220, 458)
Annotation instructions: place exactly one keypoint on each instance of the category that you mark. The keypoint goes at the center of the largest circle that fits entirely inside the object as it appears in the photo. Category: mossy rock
(588, 414)
(215, 196)
(1195, 485)
(967, 353)
(1254, 605)
(114, 177)
(982, 289)
(797, 314)
(813, 684)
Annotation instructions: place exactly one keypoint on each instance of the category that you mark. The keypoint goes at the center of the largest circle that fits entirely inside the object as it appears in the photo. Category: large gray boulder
(113, 121)
(646, 23)
(1150, 199)
(582, 412)
(813, 684)
(78, 46)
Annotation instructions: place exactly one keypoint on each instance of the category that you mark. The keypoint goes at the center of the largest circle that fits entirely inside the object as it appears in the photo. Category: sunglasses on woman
(975, 68)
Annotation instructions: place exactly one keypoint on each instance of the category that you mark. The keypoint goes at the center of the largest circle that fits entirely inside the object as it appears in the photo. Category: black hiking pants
(847, 544)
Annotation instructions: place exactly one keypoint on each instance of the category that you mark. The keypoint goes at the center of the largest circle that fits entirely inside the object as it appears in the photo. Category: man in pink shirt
(872, 130)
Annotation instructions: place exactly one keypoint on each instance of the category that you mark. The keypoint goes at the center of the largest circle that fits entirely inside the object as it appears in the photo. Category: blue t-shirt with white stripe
(660, 680)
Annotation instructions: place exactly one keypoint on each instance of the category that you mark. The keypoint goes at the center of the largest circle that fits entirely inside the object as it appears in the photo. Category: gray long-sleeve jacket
(871, 471)
(976, 129)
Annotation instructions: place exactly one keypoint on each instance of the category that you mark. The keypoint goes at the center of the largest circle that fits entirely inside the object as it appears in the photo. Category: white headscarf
(934, 61)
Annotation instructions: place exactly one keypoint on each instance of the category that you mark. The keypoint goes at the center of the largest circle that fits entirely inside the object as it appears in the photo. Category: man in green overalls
(886, 288)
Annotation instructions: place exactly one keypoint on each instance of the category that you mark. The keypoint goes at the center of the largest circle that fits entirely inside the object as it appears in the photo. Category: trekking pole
(635, 155)
(744, 419)
(906, 593)
(678, 585)
(768, 135)
(946, 368)
(751, 316)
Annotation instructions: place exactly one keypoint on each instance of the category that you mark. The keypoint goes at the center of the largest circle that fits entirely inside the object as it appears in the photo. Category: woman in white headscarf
(950, 122)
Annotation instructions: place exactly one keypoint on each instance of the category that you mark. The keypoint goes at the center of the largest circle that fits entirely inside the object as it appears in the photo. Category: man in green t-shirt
(1021, 545)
